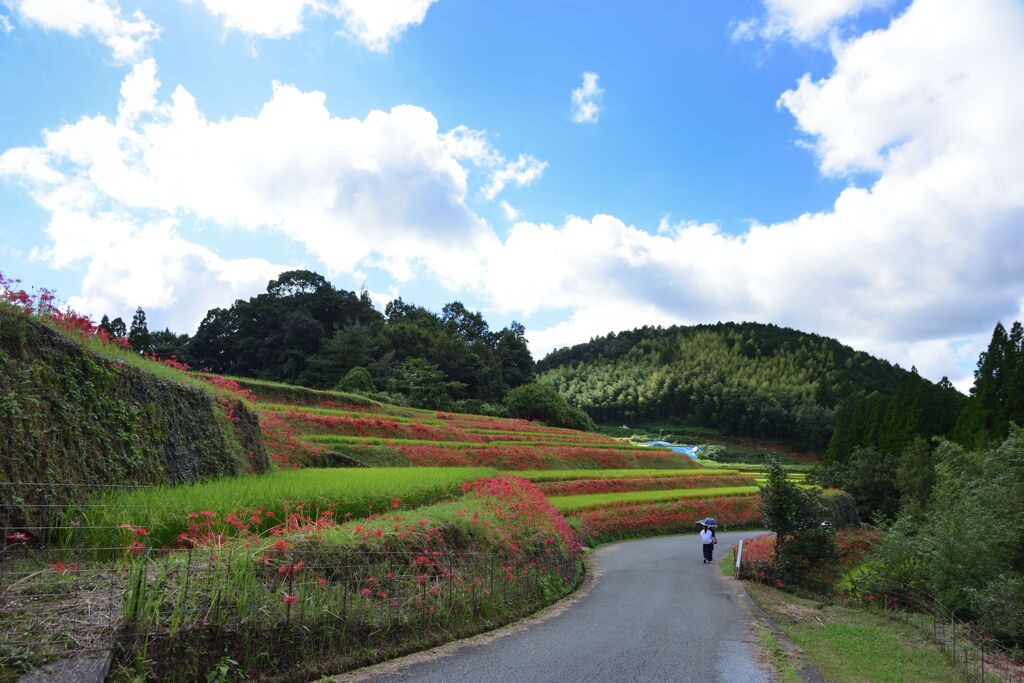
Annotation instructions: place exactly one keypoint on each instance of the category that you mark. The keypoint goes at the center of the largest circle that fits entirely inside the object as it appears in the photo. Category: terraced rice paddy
(262, 502)
(585, 475)
(599, 500)
(605, 487)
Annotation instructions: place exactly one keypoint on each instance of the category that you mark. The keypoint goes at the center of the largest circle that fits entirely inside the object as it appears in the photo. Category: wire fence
(67, 592)
(979, 657)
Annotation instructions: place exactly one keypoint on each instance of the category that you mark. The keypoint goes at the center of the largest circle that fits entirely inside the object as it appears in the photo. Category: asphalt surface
(655, 613)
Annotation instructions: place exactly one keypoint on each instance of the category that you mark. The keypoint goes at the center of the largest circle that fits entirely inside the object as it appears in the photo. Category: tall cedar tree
(138, 335)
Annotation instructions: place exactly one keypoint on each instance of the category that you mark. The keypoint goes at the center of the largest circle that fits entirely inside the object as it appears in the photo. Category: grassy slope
(855, 646)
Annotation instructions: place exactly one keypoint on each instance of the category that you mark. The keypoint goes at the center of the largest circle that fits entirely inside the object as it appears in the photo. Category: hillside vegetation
(740, 378)
(303, 330)
(74, 413)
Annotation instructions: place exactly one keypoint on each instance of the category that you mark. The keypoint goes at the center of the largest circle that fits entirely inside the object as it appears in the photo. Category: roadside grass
(728, 565)
(777, 655)
(560, 475)
(164, 511)
(574, 503)
(855, 646)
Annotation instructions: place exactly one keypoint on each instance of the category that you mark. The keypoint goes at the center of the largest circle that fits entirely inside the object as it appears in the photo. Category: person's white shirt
(706, 535)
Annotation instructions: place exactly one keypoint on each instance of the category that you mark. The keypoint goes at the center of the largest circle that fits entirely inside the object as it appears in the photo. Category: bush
(356, 379)
(1000, 606)
(842, 508)
(967, 549)
(540, 402)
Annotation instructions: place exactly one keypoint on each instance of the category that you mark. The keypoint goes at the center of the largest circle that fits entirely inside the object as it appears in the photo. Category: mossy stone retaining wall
(71, 416)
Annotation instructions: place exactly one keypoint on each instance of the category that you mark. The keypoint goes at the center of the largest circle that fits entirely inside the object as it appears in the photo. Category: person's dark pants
(708, 550)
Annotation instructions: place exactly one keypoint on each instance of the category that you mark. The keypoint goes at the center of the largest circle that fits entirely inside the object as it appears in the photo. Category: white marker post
(739, 556)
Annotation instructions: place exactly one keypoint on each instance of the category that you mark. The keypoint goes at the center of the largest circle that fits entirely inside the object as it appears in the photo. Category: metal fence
(979, 657)
(64, 596)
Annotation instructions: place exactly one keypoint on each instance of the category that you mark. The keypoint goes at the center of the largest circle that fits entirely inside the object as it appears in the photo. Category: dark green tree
(804, 535)
(167, 344)
(138, 335)
(537, 401)
(915, 475)
(423, 383)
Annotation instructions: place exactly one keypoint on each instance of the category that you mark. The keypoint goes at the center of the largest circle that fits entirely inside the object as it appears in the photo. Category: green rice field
(164, 511)
(571, 503)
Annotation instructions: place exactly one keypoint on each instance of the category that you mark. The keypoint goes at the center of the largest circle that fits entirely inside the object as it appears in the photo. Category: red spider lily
(290, 599)
(290, 569)
(18, 537)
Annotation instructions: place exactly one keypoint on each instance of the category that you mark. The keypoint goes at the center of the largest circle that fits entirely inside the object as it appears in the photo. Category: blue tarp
(689, 451)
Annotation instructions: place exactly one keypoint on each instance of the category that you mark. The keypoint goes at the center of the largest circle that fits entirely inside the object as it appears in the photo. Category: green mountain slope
(741, 378)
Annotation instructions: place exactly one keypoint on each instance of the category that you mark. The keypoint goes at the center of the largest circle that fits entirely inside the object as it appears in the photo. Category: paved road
(655, 613)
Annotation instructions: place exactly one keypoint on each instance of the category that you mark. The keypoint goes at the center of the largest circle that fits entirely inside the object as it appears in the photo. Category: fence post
(739, 558)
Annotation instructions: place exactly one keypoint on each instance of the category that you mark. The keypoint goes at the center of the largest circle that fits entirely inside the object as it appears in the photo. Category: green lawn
(570, 503)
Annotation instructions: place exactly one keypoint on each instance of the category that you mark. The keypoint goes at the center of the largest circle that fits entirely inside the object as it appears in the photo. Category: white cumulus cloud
(388, 190)
(918, 265)
(586, 99)
(126, 36)
(802, 20)
(372, 23)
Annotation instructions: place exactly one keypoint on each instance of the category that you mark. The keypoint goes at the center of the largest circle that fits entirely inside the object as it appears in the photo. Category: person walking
(707, 539)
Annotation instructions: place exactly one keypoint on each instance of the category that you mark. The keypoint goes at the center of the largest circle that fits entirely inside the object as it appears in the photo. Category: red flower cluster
(577, 487)
(623, 521)
(207, 529)
(285, 444)
(343, 425)
(42, 303)
(524, 510)
(171, 362)
(548, 456)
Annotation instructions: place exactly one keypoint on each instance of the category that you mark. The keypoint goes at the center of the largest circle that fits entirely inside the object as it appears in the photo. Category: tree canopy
(303, 330)
(742, 378)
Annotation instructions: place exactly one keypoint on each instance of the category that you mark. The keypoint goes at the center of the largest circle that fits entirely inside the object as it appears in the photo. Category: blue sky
(820, 165)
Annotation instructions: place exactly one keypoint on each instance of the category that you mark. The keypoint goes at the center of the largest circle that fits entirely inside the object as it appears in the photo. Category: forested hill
(742, 378)
(303, 330)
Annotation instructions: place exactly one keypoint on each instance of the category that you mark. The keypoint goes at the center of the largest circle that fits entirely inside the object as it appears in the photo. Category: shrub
(356, 379)
(842, 508)
(541, 402)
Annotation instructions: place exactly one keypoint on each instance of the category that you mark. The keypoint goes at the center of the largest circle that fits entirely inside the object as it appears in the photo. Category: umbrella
(709, 522)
